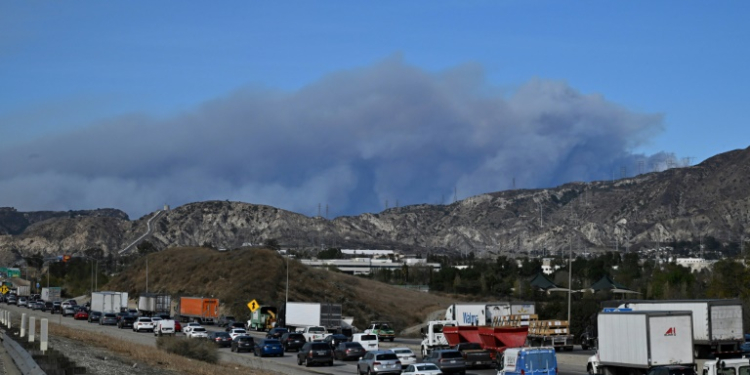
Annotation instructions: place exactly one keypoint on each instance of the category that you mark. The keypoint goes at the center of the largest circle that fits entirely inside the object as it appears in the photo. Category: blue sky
(354, 103)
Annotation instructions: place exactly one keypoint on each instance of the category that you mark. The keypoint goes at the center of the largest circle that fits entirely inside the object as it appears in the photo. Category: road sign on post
(253, 305)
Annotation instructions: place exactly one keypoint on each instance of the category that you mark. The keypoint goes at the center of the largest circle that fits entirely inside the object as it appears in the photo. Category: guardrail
(20, 356)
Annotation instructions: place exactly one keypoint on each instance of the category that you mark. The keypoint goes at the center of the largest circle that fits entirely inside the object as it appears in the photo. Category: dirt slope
(239, 276)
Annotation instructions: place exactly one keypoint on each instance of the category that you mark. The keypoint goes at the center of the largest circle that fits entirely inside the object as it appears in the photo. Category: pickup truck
(382, 329)
(474, 355)
(315, 333)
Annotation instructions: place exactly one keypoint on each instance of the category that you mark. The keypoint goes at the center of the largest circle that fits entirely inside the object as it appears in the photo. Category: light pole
(94, 274)
(570, 273)
(286, 299)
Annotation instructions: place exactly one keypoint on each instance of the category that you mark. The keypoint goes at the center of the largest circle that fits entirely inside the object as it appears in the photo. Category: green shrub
(200, 349)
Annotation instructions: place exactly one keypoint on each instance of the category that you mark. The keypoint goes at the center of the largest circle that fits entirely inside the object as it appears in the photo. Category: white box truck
(486, 313)
(637, 342)
(717, 323)
(51, 294)
(108, 302)
(299, 315)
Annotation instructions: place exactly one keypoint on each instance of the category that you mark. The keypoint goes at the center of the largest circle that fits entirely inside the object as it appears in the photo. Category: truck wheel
(307, 363)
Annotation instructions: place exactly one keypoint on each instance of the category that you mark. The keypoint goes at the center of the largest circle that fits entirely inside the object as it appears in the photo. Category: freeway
(570, 363)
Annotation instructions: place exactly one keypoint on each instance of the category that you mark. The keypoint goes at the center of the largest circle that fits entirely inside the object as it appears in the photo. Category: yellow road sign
(253, 305)
(4, 289)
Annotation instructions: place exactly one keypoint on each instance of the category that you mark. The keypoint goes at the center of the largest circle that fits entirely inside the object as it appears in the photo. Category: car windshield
(471, 346)
(199, 329)
(353, 345)
(245, 339)
(221, 334)
(319, 346)
(426, 367)
(239, 331)
(271, 342)
(110, 316)
(316, 330)
(368, 338)
(402, 351)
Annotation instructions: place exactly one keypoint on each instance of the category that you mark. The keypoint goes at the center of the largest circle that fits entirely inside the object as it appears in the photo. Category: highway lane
(570, 363)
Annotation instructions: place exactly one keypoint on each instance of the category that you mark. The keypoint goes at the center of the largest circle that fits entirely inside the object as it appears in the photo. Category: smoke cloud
(351, 141)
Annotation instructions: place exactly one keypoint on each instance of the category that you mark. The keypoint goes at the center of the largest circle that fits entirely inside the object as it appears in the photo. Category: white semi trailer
(299, 315)
(486, 313)
(717, 323)
(109, 302)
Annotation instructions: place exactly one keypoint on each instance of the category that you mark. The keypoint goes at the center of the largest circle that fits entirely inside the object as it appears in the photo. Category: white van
(367, 340)
(164, 327)
(734, 366)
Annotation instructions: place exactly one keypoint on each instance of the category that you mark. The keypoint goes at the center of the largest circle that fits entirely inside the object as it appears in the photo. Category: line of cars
(375, 361)
(159, 325)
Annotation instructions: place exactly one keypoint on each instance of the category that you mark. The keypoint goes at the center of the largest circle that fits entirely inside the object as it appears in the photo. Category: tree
(272, 244)
(331, 253)
(144, 248)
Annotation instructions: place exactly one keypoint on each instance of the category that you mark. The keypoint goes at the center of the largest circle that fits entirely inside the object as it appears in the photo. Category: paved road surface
(570, 363)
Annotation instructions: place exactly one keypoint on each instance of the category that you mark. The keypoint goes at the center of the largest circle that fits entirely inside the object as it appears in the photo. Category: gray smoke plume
(352, 140)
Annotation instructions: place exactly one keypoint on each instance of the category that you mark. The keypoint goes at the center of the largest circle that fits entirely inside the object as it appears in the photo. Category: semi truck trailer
(643, 342)
(717, 323)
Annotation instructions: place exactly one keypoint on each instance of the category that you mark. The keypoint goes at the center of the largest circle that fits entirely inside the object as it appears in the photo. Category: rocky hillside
(711, 198)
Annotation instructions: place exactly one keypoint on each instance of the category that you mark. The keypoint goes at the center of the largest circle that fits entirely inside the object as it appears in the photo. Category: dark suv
(315, 352)
(126, 321)
(292, 341)
(94, 316)
(449, 361)
(240, 343)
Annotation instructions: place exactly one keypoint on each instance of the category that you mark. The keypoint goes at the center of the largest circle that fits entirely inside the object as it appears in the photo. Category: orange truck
(199, 309)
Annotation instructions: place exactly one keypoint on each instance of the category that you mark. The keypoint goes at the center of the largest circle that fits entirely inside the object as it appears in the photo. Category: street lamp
(570, 277)
(287, 280)
(94, 274)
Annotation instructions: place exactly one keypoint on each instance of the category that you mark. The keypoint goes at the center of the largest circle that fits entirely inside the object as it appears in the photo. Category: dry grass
(239, 276)
(150, 355)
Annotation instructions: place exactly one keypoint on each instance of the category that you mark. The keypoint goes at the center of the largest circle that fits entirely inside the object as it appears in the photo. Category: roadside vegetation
(155, 358)
(202, 350)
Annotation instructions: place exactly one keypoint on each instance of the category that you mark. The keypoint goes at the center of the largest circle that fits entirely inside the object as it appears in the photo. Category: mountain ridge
(710, 198)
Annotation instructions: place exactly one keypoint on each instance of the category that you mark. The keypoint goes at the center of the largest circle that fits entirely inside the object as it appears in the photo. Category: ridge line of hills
(679, 204)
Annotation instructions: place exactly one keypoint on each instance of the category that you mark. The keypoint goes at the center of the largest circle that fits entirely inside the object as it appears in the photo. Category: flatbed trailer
(554, 333)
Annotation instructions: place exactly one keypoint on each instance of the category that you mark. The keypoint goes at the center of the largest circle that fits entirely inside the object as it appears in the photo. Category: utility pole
(570, 276)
